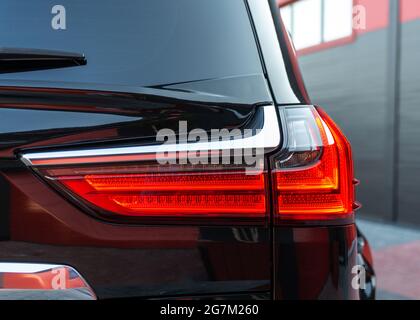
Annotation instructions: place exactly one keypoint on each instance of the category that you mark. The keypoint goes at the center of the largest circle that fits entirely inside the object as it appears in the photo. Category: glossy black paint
(5, 206)
(133, 261)
(315, 263)
(160, 261)
(61, 117)
(213, 265)
(136, 43)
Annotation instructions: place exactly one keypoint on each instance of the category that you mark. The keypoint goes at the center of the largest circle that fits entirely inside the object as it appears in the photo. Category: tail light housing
(313, 175)
(182, 193)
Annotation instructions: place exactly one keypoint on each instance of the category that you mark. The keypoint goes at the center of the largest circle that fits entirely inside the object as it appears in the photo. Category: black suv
(168, 149)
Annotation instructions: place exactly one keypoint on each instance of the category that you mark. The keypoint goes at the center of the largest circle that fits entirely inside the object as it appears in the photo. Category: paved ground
(396, 253)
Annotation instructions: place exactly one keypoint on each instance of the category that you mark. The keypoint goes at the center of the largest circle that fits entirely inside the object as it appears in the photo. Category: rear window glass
(134, 42)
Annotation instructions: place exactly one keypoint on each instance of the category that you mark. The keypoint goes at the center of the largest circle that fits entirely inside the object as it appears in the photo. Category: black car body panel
(91, 116)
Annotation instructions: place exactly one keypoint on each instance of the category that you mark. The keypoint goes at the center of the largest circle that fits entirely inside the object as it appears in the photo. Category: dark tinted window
(136, 42)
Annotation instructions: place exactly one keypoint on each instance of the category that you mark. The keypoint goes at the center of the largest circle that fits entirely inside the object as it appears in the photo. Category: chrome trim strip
(42, 281)
(266, 138)
(25, 294)
(11, 267)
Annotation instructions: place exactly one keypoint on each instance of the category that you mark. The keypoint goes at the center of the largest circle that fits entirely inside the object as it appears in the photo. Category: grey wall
(350, 83)
(409, 151)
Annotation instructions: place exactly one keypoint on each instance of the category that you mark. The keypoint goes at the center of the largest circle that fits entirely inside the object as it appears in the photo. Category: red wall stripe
(284, 2)
(410, 10)
(377, 17)
(377, 14)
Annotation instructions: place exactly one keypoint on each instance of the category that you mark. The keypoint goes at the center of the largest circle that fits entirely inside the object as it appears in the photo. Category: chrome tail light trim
(267, 138)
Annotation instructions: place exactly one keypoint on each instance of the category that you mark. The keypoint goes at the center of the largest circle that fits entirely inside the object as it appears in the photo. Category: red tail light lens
(156, 191)
(314, 178)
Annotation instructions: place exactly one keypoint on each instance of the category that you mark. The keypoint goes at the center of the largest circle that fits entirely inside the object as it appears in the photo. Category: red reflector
(175, 182)
(190, 203)
(322, 188)
(137, 192)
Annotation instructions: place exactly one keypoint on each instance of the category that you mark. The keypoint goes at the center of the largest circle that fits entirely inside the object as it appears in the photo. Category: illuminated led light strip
(268, 137)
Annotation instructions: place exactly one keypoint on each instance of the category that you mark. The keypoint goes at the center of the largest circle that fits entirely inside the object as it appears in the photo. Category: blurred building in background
(361, 62)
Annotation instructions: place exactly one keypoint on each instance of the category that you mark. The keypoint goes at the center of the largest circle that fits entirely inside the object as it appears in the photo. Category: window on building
(306, 15)
(312, 22)
(286, 15)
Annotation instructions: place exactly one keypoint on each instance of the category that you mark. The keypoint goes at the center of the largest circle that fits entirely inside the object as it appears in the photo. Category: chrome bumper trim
(30, 281)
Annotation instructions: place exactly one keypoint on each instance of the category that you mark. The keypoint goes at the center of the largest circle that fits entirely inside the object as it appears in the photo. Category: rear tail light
(313, 177)
(151, 191)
